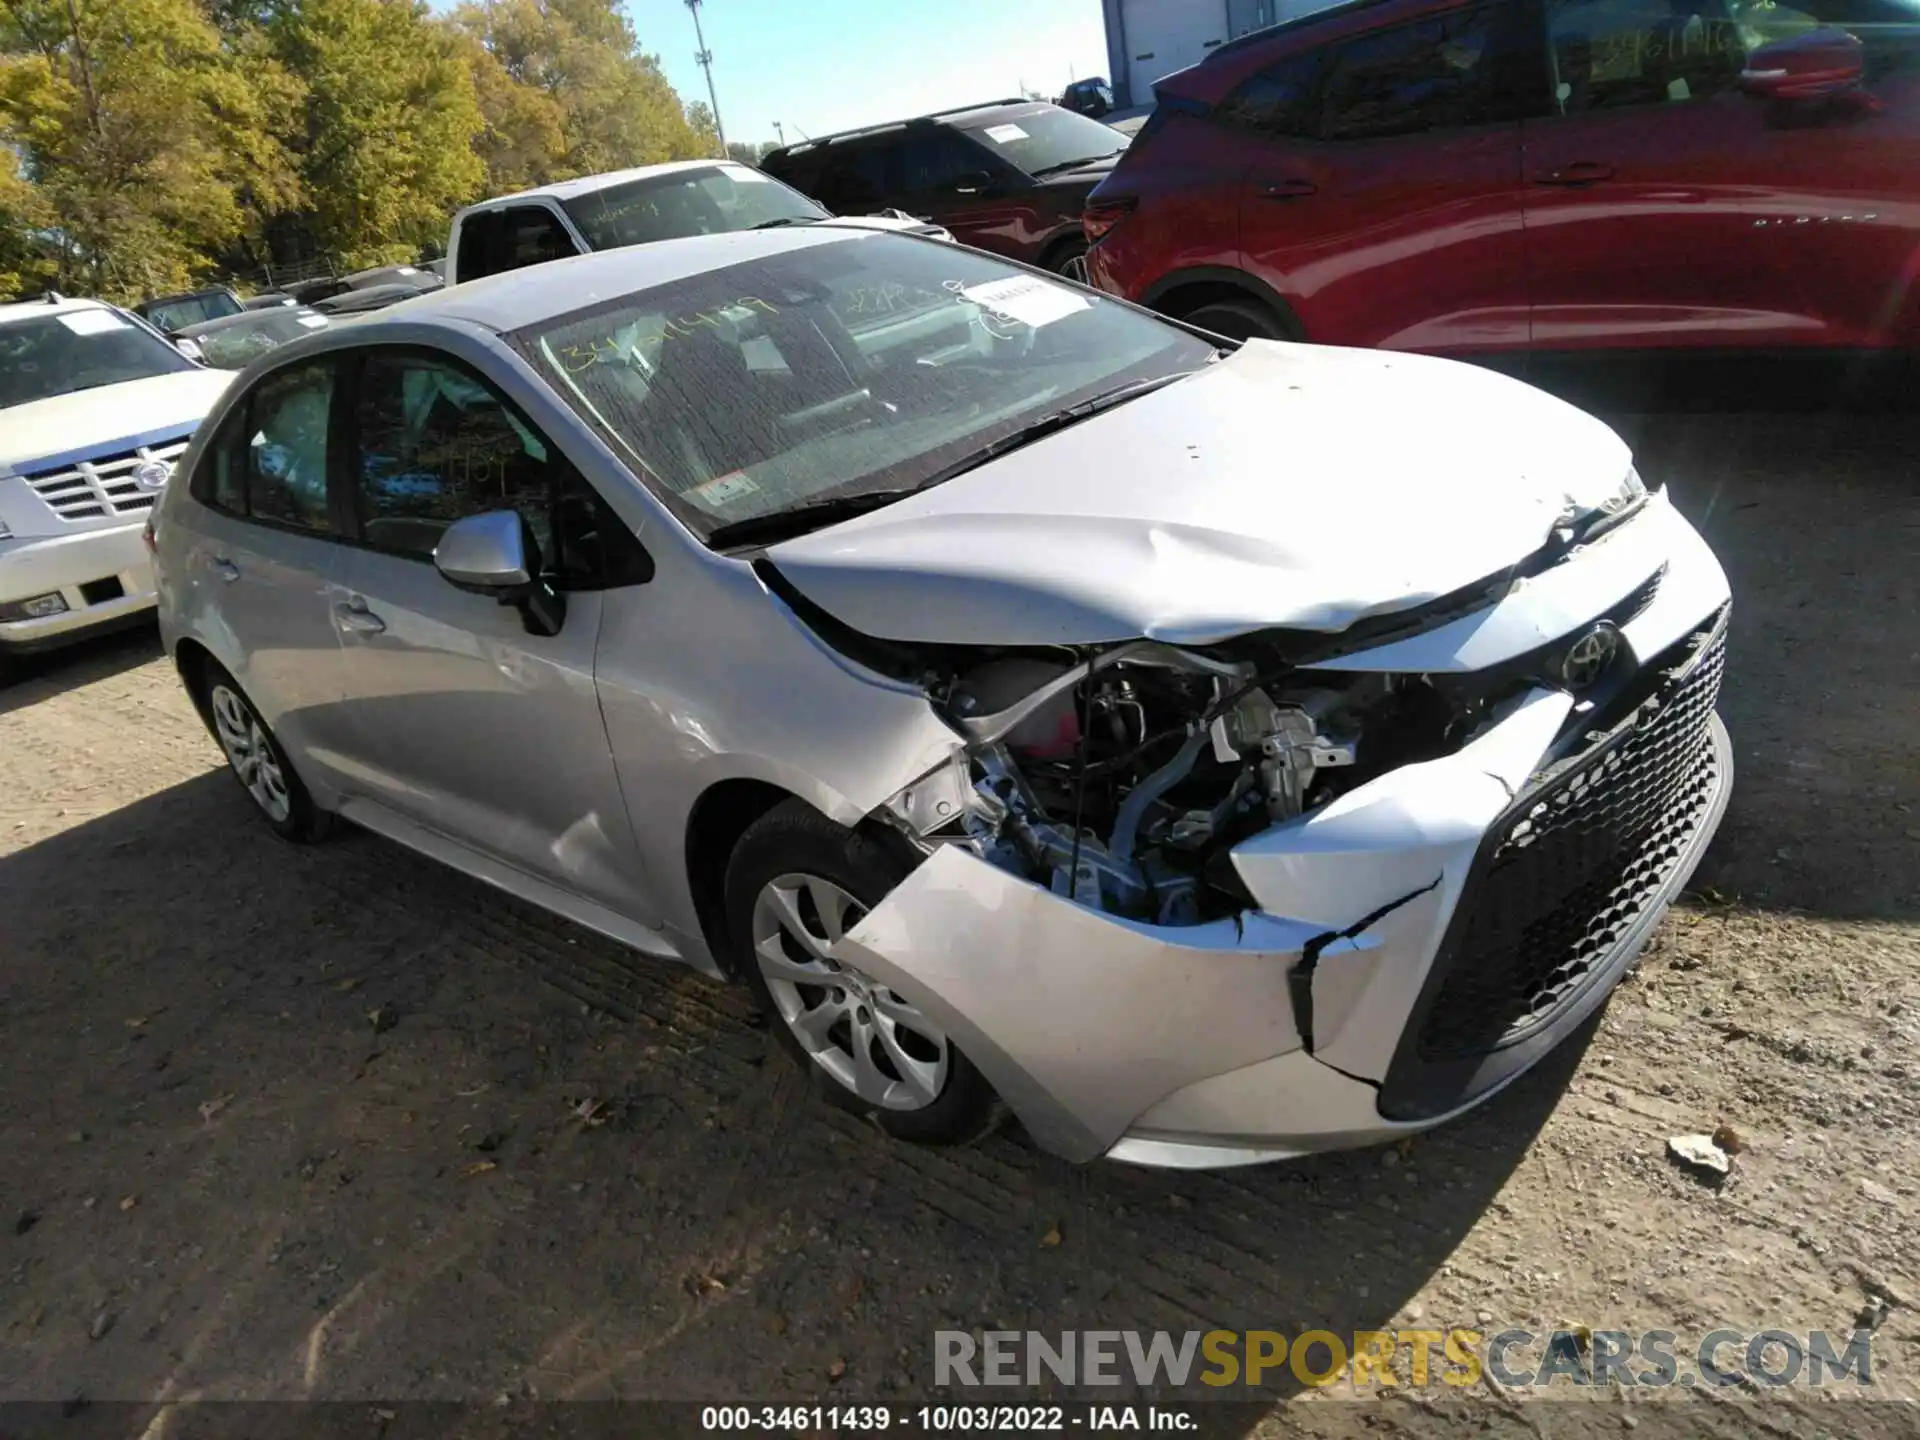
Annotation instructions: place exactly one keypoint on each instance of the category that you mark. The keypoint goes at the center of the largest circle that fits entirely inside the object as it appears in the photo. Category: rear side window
(856, 178)
(1453, 70)
(936, 158)
(1280, 100)
(493, 241)
(270, 460)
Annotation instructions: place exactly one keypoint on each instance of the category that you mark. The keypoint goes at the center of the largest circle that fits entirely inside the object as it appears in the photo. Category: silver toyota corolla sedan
(1209, 753)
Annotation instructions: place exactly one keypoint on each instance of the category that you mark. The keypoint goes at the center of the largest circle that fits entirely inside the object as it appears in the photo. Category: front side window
(60, 353)
(436, 445)
(1613, 53)
(857, 365)
(689, 202)
(1444, 72)
(278, 471)
(1047, 139)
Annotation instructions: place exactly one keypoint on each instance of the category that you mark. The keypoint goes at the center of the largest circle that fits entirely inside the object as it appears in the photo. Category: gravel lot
(284, 1123)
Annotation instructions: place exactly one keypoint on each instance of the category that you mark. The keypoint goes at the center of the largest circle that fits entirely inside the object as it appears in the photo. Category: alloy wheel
(251, 753)
(869, 1039)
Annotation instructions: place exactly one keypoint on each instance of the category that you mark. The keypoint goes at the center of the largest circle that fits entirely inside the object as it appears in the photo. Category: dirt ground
(282, 1123)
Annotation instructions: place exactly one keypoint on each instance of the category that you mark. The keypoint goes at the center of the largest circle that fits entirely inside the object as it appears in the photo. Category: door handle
(1581, 172)
(225, 569)
(1287, 189)
(355, 616)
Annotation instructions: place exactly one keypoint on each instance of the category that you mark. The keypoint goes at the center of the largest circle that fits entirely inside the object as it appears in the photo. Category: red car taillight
(1102, 215)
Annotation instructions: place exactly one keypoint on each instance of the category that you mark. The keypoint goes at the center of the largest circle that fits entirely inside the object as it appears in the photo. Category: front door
(464, 722)
(1383, 197)
(1645, 185)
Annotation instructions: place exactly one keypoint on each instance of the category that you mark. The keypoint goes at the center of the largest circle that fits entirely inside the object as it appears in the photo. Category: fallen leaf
(705, 1284)
(1698, 1152)
(479, 1167)
(1052, 1237)
(1729, 1139)
(136, 1022)
(211, 1108)
(836, 1369)
(349, 984)
(778, 1324)
(129, 1202)
(591, 1112)
(382, 1018)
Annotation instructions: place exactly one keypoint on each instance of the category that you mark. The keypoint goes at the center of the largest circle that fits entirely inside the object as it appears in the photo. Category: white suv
(95, 408)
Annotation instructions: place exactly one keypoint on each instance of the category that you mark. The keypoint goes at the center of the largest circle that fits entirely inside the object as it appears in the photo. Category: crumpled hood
(1288, 486)
(97, 420)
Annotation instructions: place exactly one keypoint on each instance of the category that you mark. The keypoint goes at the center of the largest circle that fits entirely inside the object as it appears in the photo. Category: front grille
(95, 489)
(1573, 864)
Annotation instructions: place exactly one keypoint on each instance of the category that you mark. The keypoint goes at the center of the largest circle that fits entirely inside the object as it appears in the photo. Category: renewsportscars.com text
(1364, 1358)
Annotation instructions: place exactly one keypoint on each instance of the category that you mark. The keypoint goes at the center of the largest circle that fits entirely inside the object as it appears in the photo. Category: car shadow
(418, 1140)
(28, 679)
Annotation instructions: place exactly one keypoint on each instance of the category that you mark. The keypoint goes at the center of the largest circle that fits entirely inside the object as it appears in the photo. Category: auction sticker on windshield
(92, 322)
(1005, 134)
(725, 489)
(1025, 299)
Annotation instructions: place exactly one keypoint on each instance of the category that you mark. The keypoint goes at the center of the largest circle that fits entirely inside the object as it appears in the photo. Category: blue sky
(829, 64)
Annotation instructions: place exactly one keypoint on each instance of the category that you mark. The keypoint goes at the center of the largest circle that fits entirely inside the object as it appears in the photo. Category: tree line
(145, 144)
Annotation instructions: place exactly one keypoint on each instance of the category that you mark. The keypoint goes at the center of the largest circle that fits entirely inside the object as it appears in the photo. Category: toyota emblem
(1588, 657)
(152, 474)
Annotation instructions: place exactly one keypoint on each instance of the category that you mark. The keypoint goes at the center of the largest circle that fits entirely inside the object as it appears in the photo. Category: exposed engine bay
(1123, 779)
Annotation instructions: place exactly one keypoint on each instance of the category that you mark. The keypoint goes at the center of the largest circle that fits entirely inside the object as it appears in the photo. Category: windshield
(837, 369)
(58, 354)
(192, 310)
(689, 202)
(1048, 139)
(231, 346)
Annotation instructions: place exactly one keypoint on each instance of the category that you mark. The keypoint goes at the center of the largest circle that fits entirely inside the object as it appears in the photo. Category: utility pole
(777, 130)
(705, 57)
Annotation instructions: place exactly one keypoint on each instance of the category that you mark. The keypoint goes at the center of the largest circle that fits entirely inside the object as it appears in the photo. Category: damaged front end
(1216, 903)
(1124, 779)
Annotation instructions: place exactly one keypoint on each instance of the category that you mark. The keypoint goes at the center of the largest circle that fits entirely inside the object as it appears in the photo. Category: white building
(1150, 38)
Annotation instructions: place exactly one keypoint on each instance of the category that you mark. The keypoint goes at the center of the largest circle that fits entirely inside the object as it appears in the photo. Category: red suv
(1536, 175)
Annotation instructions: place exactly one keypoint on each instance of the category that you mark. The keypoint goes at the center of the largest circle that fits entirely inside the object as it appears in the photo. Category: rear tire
(796, 883)
(255, 759)
(1238, 319)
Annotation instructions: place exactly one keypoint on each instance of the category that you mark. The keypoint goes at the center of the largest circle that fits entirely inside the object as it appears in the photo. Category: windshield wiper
(779, 220)
(816, 514)
(1075, 164)
(1052, 423)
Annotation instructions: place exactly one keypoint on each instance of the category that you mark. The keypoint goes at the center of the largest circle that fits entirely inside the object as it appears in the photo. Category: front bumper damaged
(1351, 1005)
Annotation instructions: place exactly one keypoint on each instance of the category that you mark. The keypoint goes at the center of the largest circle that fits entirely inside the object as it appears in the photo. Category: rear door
(464, 722)
(1383, 201)
(263, 543)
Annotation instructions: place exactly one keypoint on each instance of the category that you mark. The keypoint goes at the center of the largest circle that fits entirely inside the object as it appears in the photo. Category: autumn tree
(567, 91)
(391, 114)
(145, 145)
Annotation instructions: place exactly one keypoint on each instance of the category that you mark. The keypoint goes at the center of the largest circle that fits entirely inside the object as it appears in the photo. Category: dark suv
(1011, 176)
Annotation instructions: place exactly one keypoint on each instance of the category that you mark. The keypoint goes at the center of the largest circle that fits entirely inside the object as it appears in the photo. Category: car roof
(981, 111)
(520, 297)
(54, 305)
(588, 184)
(245, 317)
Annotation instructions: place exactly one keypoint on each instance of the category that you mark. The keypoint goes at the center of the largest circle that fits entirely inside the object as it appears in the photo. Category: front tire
(796, 883)
(255, 759)
(1240, 320)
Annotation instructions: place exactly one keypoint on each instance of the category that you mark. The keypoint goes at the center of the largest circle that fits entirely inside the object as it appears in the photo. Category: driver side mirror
(1809, 66)
(973, 182)
(496, 554)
